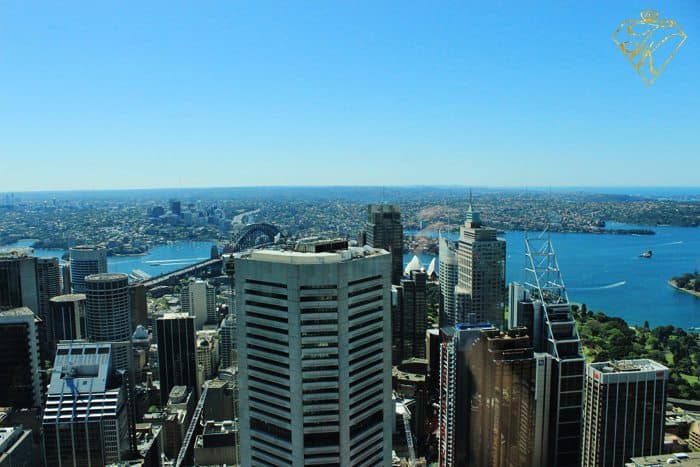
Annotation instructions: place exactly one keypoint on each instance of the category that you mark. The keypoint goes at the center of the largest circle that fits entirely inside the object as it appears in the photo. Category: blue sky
(191, 94)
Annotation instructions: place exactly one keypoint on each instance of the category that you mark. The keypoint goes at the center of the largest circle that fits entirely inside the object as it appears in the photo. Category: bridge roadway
(174, 277)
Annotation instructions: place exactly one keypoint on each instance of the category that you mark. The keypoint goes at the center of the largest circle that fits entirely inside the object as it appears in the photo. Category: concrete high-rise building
(108, 316)
(315, 355)
(542, 306)
(49, 281)
(410, 317)
(18, 280)
(480, 290)
(86, 260)
(66, 319)
(624, 411)
(177, 362)
(448, 281)
(85, 419)
(20, 382)
(384, 230)
(198, 299)
(207, 352)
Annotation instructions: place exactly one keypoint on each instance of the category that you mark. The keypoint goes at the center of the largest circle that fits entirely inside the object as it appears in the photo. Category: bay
(605, 271)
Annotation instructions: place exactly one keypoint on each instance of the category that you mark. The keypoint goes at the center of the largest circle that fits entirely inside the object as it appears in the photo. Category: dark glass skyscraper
(49, 282)
(18, 280)
(177, 361)
(384, 230)
(410, 317)
(20, 385)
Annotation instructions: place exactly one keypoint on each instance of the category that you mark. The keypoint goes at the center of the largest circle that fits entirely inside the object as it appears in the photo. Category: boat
(646, 254)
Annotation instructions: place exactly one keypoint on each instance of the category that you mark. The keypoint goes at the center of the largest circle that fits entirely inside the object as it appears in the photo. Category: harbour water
(603, 271)
(606, 273)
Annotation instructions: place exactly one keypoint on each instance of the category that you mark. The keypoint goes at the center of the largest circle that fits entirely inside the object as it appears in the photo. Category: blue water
(159, 260)
(603, 271)
(606, 272)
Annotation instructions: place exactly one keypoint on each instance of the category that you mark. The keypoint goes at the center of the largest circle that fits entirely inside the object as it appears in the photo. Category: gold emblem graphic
(649, 43)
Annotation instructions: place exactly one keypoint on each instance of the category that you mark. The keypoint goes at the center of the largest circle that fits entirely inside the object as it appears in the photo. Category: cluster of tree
(688, 281)
(607, 338)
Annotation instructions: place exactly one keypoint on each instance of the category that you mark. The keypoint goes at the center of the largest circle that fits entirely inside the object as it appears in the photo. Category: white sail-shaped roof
(413, 265)
(431, 268)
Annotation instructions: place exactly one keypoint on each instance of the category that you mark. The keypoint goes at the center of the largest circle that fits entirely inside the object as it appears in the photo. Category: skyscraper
(177, 361)
(20, 384)
(227, 330)
(198, 299)
(66, 319)
(49, 281)
(384, 230)
(624, 411)
(84, 261)
(107, 314)
(542, 305)
(456, 342)
(314, 355)
(18, 280)
(448, 281)
(85, 419)
(410, 317)
(480, 287)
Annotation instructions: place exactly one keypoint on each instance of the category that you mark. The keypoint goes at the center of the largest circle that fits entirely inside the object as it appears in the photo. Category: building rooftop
(8, 436)
(81, 367)
(287, 256)
(72, 297)
(106, 276)
(15, 253)
(689, 459)
(625, 366)
(170, 315)
(87, 247)
(17, 312)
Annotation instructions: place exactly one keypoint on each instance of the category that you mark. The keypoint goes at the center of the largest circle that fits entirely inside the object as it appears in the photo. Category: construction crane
(193, 426)
(409, 437)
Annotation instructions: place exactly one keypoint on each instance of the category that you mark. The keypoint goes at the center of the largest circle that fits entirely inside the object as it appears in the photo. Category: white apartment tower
(315, 355)
(448, 282)
(198, 299)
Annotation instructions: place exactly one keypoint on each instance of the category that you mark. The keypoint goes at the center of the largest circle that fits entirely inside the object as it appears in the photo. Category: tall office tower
(66, 285)
(207, 351)
(480, 289)
(177, 360)
(18, 280)
(546, 312)
(85, 419)
(20, 383)
(108, 316)
(66, 319)
(624, 411)
(227, 331)
(410, 317)
(49, 281)
(315, 355)
(448, 281)
(384, 230)
(86, 260)
(176, 207)
(139, 305)
(454, 402)
(198, 299)
(502, 415)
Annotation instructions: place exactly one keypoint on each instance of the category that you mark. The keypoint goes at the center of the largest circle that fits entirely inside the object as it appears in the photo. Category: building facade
(410, 317)
(315, 356)
(85, 419)
(177, 361)
(86, 260)
(18, 280)
(49, 283)
(20, 385)
(66, 319)
(623, 411)
(384, 230)
(108, 315)
(480, 286)
(448, 281)
(198, 299)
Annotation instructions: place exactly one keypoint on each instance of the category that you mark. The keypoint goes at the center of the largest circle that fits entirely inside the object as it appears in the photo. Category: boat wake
(602, 287)
(680, 242)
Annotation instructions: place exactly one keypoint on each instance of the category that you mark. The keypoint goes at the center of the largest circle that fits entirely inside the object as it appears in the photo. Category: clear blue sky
(222, 93)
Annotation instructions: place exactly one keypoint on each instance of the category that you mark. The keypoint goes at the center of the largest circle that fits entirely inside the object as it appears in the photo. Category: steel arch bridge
(254, 235)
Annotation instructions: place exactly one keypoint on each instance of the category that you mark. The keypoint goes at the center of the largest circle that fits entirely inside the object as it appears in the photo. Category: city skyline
(221, 95)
